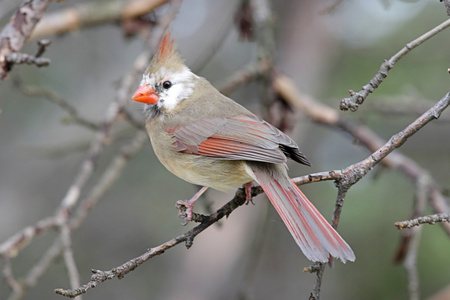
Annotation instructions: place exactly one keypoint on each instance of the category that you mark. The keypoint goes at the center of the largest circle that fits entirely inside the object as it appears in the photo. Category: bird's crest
(166, 56)
(166, 47)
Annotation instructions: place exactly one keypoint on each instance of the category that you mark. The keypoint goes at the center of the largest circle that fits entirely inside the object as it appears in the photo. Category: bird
(207, 139)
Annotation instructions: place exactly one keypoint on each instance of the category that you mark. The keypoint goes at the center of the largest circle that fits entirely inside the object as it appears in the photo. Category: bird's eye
(167, 84)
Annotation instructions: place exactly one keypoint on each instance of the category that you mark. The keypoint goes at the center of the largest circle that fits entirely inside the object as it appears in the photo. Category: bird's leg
(186, 207)
(248, 192)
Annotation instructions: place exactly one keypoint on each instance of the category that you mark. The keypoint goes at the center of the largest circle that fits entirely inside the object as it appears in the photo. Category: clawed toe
(185, 210)
(186, 207)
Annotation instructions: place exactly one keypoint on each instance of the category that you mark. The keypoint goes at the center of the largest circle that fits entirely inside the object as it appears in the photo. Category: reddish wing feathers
(232, 150)
(237, 138)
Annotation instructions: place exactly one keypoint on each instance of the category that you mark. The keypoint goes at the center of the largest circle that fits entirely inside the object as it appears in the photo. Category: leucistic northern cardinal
(207, 139)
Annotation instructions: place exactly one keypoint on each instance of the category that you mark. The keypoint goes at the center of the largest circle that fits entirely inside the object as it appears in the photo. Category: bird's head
(167, 80)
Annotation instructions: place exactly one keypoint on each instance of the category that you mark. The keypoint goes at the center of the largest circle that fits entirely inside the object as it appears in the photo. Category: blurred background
(250, 255)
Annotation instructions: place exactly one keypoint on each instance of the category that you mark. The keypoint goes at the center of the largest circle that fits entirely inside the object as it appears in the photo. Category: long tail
(314, 235)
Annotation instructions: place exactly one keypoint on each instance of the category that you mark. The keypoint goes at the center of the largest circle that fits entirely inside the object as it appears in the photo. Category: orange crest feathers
(166, 56)
(166, 47)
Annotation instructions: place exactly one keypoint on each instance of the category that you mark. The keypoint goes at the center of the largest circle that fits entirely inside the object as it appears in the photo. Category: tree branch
(430, 219)
(91, 14)
(357, 98)
(54, 97)
(14, 244)
(18, 30)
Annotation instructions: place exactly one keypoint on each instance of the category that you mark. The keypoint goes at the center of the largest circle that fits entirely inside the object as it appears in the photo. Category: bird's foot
(185, 210)
(248, 192)
(186, 207)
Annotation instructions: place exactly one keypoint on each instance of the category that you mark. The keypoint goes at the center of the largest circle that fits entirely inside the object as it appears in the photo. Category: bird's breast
(222, 175)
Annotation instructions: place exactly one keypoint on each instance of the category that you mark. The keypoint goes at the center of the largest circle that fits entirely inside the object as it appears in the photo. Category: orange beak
(145, 94)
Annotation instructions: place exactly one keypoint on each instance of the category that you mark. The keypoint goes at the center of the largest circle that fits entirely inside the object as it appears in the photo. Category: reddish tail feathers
(314, 235)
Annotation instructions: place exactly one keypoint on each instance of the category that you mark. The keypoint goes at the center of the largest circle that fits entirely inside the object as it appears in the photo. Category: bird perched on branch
(207, 139)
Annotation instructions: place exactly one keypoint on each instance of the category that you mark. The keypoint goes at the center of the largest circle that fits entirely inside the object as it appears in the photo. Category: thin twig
(17, 58)
(23, 58)
(56, 98)
(136, 123)
(9, 276)
(391, 108)
(409, 247)
(410, 264)
(18, 30)
(14, 244)
(430, 219)
(343, 185)
(319, 269)
(357, 98)
(400, 138)
(244, 75)
(38, 270)
(69, 260)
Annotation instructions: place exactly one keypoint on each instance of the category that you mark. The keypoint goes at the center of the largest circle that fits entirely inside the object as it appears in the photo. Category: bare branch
(410, 265)
(14, 244)
(357, 98)
(87, 14)
(354, 174)
(44, 262)
(16, 58)
(9, 276)
(430, 219)
(243, 76)
(54, 97)
(69, 260)
(23, 58)
(400, 106)
(319, 269)
(412, 246)
(18, 30)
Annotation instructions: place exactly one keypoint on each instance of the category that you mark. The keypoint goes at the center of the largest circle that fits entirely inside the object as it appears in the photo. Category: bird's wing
(236, 138)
